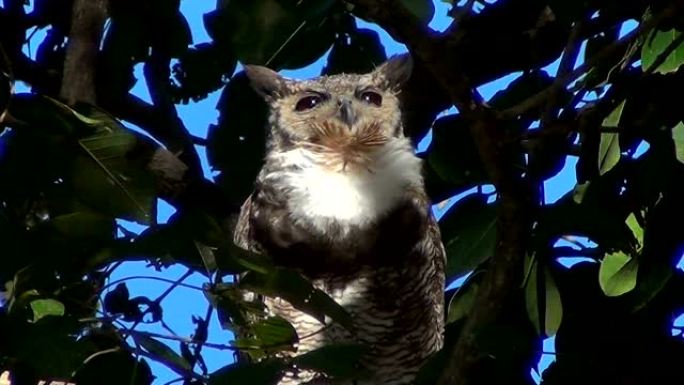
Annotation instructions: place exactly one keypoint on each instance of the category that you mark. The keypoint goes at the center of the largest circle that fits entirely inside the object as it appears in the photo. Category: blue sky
(188, 299)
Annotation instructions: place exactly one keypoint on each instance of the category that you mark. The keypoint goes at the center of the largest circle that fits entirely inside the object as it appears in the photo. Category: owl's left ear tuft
(266, 82)
(395, 71)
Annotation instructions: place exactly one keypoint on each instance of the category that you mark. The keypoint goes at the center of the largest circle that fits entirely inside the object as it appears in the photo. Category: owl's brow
(318, 92)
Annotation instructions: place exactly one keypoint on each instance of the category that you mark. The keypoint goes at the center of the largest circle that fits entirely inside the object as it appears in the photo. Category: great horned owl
(341, 198)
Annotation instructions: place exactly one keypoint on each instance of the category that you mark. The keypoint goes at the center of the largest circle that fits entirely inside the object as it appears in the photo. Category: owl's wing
(434, 247)
(242, 236)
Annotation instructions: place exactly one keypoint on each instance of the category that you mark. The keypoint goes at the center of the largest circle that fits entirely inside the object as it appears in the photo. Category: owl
(340, 198)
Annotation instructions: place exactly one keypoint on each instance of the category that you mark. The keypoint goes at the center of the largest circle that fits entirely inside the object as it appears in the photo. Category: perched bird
(340, 198)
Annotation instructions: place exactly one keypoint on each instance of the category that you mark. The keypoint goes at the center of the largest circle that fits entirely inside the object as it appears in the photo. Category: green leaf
(678, 138)
(651, 282)
(609, 148)
(656, 44)
(207, 255)
(552, 306)
(237, 144)
(424, 10)
(469, 231)
(360, 51)
(275, 33)
(453, 154)
(107, 177)
(568, 11)
(613, 119)
(341, 361)
(260, 373)
(228, 301)
(522, 88)
(609, 151)
(84, 225)
(579, 191)
(299, 292)
(637, 231)
(48, 346)
(201, 70)
(46, 115)
(46, 307)
(593, 218)
(114, 368)
(462, 302)
(271, 334)
(162, 353)
(618, 274)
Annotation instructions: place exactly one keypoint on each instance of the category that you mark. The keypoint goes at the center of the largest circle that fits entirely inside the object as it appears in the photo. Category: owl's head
(334, 114)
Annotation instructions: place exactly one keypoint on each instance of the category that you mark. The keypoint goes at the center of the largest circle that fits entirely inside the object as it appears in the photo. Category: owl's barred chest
(326, 198)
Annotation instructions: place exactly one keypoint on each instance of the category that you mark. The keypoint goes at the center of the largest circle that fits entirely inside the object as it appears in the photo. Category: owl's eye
(308, 102)
(371, 97)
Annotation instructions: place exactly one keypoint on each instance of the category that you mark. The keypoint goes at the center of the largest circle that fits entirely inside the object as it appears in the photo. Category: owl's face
(344, 115)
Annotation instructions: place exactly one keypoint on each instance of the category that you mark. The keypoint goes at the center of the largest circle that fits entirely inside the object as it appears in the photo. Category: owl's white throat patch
(352, 197)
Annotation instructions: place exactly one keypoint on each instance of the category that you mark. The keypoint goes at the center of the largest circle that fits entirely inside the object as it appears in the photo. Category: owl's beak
(346, 112)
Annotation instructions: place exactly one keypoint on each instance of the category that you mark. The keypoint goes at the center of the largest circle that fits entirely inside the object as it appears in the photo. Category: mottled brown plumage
(340, 198)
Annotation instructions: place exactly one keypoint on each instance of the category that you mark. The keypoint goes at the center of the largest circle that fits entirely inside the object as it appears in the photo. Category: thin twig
(567, 63)
(187, 340)
(157, 301)
(185, 285)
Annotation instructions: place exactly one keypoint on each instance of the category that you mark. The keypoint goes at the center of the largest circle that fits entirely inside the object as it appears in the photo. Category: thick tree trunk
(78, 80)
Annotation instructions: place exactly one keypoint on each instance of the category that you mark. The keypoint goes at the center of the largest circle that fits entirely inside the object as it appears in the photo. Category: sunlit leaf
(658, 43)
(270, 334)
(678, 138)
(613, 119)
(637, 230)
(579, 191)
(609, 151)
(46, 307)
(609, 148)
(618, 274)
(552, 306)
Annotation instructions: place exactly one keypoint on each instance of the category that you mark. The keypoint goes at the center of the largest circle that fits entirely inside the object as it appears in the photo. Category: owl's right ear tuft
(266, 82)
